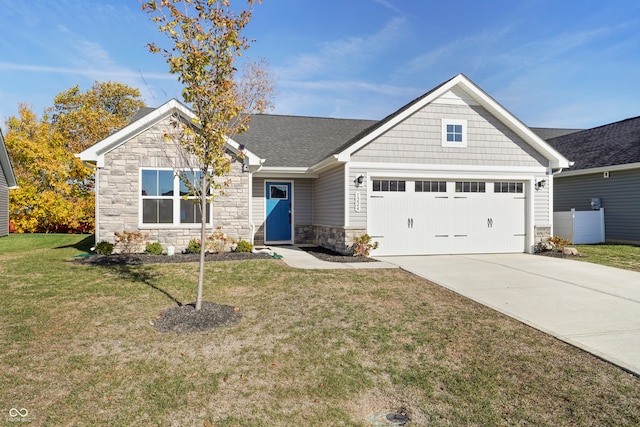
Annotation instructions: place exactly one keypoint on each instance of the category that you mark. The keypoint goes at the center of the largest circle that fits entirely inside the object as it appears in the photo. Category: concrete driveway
(590, 306)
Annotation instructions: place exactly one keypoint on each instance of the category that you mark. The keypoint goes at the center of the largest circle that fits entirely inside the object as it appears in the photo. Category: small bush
(217, 242)
(559, 242)
(244, 246)
(154, 248)
(129, 242)
(194, 246)
(362, 246)
(104, 248)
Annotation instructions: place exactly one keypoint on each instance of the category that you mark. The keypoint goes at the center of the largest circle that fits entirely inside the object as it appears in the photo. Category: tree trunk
(203, 237)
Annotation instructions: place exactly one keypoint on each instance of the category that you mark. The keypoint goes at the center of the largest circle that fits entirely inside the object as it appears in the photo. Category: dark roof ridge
(604, 126)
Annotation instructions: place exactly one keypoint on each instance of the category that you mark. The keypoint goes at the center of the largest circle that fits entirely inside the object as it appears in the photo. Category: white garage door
(447, 217)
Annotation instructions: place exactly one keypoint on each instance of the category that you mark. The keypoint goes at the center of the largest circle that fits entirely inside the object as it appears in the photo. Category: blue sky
(567, 63)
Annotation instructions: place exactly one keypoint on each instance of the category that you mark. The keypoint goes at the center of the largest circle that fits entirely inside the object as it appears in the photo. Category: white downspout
(251, 223)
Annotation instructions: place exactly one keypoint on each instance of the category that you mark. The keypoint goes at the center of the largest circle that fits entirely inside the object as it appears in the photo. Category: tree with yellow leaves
(55, 190)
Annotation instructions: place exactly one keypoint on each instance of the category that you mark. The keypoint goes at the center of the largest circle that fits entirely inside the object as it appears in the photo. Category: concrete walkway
(593, 307)
(297, 258)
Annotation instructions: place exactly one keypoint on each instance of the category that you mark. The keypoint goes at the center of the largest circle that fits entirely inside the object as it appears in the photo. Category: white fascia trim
(555, 158)
(95, 154)
(328, 162)
(417, 168)
(601, 169)
(280, 172)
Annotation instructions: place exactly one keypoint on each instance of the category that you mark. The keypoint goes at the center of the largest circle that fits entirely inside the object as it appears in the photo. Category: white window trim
(176, 203)
(450, 144)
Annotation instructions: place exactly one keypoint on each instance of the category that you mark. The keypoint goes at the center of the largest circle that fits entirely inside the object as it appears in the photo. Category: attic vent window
(454, 133)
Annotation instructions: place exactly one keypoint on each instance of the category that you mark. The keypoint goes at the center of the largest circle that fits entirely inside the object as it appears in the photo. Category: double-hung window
(166, 197)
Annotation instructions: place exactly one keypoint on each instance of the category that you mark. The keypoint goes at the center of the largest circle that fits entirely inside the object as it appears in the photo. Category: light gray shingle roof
(292, 141)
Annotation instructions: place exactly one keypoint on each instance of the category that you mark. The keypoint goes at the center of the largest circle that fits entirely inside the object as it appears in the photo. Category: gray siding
(303, 201)
(4, 205)
(418, 139)
(328, 190)
(358, 219)
(541, 211)
(620, 194)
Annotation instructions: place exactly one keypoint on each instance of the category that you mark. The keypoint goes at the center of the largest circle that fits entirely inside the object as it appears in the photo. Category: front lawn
(313, 348)
(620, 256)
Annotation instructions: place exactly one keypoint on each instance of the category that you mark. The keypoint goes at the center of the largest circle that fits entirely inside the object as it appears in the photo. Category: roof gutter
(600, 169)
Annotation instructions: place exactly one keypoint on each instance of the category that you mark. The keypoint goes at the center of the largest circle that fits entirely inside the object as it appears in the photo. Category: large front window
(166, 197)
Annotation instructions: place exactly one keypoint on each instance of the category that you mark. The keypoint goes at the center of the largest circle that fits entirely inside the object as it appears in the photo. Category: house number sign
(357, 201)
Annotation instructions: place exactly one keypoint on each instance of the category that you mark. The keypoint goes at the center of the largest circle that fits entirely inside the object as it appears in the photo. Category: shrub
(104, 248)
(559, 242)
(194, 246)
(129, 242)
(244, 246)
(217, 242)
(362, 246)
(154, 248)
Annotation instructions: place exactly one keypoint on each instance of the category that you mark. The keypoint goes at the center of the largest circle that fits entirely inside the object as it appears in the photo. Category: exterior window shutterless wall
(165, 198)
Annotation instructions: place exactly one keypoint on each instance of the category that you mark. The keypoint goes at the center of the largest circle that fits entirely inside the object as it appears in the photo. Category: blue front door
(278, 221)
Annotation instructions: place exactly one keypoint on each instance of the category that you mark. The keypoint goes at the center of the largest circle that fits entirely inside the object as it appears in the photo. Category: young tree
(207, 40)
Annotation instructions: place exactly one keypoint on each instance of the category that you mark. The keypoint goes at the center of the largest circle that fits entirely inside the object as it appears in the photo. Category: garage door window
(389, 185)
(431, 186)
(508, 187)
(470, 187)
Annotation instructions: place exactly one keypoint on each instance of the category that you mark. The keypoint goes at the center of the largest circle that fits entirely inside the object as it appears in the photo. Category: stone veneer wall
(339, 239)
(119, 188)
(541, 234)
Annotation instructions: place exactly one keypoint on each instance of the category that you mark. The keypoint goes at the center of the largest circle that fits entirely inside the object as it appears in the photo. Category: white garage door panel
(411, 222)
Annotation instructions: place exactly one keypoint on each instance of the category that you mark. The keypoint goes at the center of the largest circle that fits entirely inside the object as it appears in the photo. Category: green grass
(313, 348)
(620, 256)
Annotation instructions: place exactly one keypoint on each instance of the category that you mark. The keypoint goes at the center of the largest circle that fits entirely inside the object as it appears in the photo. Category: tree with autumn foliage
(55, 190)
(207, 40)
(85, 118)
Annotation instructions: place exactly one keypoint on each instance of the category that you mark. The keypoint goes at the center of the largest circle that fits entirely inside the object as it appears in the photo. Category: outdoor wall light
(540, 184)
(359, 180)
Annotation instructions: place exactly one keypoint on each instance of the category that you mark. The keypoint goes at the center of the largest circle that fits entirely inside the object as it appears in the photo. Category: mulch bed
(185, 318)
(331, 256)
(558, 254)
(141, 259)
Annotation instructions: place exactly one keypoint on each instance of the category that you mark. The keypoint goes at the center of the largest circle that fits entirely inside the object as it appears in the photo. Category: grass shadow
(130, 272)
(83, 245)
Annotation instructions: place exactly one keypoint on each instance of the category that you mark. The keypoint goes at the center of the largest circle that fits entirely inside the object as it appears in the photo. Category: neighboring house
(451, 172)
(606, 168)
(7, 181)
